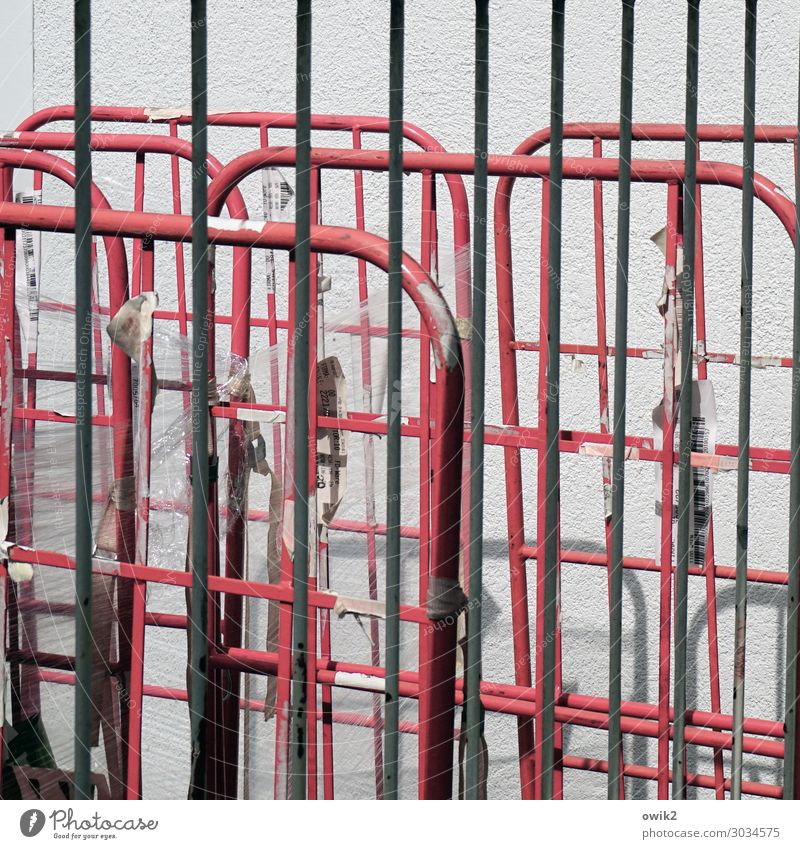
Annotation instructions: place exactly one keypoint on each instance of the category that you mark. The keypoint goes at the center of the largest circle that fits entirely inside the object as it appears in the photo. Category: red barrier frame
(521, 700)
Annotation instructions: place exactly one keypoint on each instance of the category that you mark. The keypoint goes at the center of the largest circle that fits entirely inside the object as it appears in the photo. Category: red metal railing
(438, 428)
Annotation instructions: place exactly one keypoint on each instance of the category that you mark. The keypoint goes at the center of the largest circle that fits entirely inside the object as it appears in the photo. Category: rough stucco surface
(141, 57)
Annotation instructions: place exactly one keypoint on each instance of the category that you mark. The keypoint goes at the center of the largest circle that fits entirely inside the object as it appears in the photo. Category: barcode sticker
(703, 441)
(28, 275)
(277, 195)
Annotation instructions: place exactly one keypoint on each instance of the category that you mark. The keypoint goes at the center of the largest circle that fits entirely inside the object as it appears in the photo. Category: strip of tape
(357, 606)
(445, 598)
(360, 681)
(264, 416)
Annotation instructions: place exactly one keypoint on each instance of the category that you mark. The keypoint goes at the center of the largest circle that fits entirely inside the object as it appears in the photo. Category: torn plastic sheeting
(331, 455)
(44, 478)
(444, 324)
(121, 499)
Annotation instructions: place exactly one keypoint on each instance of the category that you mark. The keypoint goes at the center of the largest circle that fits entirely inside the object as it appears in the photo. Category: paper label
(331, 442)
(28, 275)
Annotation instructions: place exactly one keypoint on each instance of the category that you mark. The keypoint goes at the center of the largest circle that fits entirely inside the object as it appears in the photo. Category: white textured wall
(16, 65)
(141, 57)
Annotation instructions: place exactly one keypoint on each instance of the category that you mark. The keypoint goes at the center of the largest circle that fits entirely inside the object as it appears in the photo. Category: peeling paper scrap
(235, 224)
(464, 328)
(762, 361)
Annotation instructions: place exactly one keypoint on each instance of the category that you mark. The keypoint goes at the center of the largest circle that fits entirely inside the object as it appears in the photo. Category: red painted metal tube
(510, 403)
(287, 120)
(336, 240)
(766, 133)
(140, 144)
(345, 718)
(121, 397)
(354, 676)
(448, 409)
(509, 697)
(513, 166)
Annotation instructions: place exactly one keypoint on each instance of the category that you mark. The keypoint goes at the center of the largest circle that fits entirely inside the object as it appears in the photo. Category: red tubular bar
(511, 436)
(226, 781)
(263, 121)
(122, 431)
(438, 699)
(570, 761)
(509, 345)
(498, 697)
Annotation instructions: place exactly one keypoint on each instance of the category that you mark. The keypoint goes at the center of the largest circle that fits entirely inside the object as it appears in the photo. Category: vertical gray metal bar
(620, 401)
(393, 443)
(200, 425)
(298, 740)
(685, 485)
(746, 333)
(472, 673)
(551, 541)
(790, 754)
(83, 400)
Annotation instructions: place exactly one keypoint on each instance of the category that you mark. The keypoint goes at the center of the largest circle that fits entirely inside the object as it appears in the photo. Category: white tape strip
(267, 416)
(166, 113)
(235, 224)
